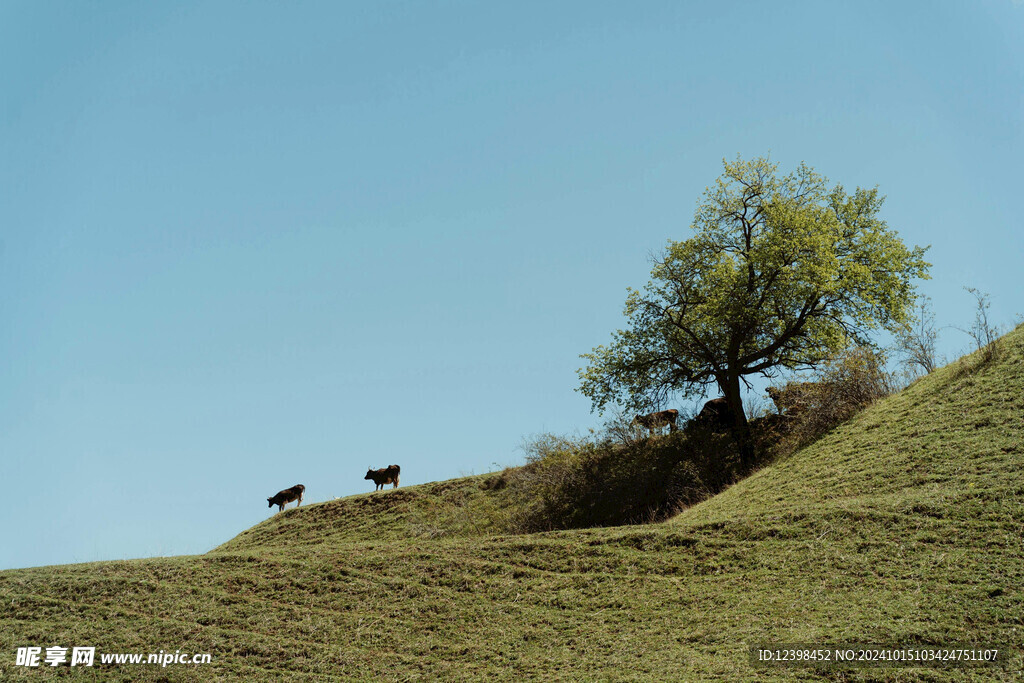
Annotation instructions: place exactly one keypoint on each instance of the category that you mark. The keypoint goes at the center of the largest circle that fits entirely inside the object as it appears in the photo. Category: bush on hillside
(845, 385)
(588, 482)
(985, 334)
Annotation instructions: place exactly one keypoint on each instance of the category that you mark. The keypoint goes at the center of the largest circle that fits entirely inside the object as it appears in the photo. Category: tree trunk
(740, 428)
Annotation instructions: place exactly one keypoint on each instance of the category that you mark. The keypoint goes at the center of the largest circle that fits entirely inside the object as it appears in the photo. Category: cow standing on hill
(715, 415)
(385, 475)
(657, 420)
(281, 498)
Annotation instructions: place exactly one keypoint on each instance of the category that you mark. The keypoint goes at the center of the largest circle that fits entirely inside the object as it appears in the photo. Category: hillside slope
(903, 526)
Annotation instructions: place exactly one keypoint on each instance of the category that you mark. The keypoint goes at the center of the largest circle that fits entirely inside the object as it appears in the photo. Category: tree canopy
(781, 272)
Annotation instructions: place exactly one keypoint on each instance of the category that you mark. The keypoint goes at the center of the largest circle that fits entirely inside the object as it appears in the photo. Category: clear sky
(248, 245)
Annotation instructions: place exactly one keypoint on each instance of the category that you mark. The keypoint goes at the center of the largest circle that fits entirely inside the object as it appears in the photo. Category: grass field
(904, 526)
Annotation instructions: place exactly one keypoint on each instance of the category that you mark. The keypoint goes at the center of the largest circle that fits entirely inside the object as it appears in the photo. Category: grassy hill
(905, 525)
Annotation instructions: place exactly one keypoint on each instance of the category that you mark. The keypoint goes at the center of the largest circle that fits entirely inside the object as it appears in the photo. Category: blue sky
(247, 245)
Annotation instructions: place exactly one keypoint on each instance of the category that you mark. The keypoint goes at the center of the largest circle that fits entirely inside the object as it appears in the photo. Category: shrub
(918, 340)
(845, 385)
(984, 334)
(579, 483)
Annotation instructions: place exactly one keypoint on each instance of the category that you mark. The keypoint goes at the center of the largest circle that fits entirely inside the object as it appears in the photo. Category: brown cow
(281, 498)
(385, 475)
(657, 420)
(716, 414)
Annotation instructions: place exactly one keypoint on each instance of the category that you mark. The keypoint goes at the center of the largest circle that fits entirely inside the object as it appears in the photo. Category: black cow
(385, 475)
(281, 498)
(716, 414)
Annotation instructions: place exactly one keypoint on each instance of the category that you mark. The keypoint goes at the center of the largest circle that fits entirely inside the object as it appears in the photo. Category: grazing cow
(281, 498)
(385, 475)
(716, 414)
(658, 420)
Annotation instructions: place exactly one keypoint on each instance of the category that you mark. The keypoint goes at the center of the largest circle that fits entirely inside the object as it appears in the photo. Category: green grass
(905, 525)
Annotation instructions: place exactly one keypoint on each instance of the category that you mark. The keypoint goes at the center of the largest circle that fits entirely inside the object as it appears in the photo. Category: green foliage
(781, 272)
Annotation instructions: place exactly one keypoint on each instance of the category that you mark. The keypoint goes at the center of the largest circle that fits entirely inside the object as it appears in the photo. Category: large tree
(781, 272)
